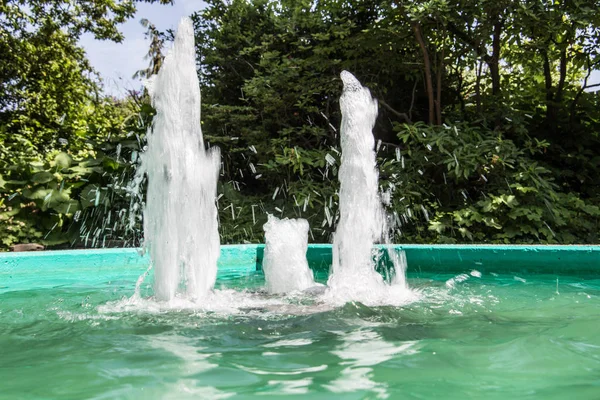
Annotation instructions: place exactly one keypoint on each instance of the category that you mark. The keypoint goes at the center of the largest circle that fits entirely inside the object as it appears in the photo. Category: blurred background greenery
(488, 131)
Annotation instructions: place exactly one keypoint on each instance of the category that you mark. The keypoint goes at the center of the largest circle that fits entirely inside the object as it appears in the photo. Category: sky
(117, 62)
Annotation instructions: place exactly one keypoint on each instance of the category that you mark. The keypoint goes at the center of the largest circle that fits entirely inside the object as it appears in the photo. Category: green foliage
(270, 90)
(77, 198)
(476, 186)
(54, 124)
(521, 166)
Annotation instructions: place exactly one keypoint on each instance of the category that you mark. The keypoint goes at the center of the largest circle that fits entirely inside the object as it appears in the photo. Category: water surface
(492, 337)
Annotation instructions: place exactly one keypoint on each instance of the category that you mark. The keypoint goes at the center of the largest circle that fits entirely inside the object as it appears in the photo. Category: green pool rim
(528, 258)
(122, 266)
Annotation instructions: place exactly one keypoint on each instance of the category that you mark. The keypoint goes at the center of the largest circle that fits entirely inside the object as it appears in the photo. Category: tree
(47, 85)
(270, 84)
(485, 133)
(155, 54)
(52, 113)
(269, 73)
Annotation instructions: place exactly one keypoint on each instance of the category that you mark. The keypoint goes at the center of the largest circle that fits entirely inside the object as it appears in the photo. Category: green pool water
(495, 337)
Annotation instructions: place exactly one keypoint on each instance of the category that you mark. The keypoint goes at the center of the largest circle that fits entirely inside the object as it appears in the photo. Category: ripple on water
(511, 339)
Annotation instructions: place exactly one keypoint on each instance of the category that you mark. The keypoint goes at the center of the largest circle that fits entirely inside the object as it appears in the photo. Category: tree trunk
(584, 85)
(438, 100)
(494, 61)
(562, 77)
(478, 87)
(427, 66)
(549, 90)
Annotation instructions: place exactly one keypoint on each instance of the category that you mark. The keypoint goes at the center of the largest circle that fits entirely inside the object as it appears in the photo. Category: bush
(468, 184)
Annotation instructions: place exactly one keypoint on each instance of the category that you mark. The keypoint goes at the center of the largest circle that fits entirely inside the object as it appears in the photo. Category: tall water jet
(285, 265)
(362, 219)
(180, 216)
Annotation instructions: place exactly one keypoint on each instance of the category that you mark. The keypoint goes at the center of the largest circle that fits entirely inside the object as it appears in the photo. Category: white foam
(362, 220)
(223, 302)
(285, 265)
(451, 283)
(180, 217)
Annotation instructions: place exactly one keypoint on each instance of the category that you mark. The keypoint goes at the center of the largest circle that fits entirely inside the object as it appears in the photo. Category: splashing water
(285, 265)
(180, 217)
(362, 218)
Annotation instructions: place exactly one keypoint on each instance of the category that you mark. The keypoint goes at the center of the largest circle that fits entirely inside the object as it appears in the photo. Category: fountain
(285, 265)
(362, 219)
(67, 324)
(180, 216)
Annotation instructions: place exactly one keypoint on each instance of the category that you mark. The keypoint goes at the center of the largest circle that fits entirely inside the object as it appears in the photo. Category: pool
(483, 327)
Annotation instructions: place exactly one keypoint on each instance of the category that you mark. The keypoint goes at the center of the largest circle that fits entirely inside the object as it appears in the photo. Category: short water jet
(284, 264)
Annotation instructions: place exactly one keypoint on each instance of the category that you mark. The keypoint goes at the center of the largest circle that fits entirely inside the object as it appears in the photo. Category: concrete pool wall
(52, 268)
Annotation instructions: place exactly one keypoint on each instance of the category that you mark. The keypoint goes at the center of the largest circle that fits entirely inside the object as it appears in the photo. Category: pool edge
(532, 258)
